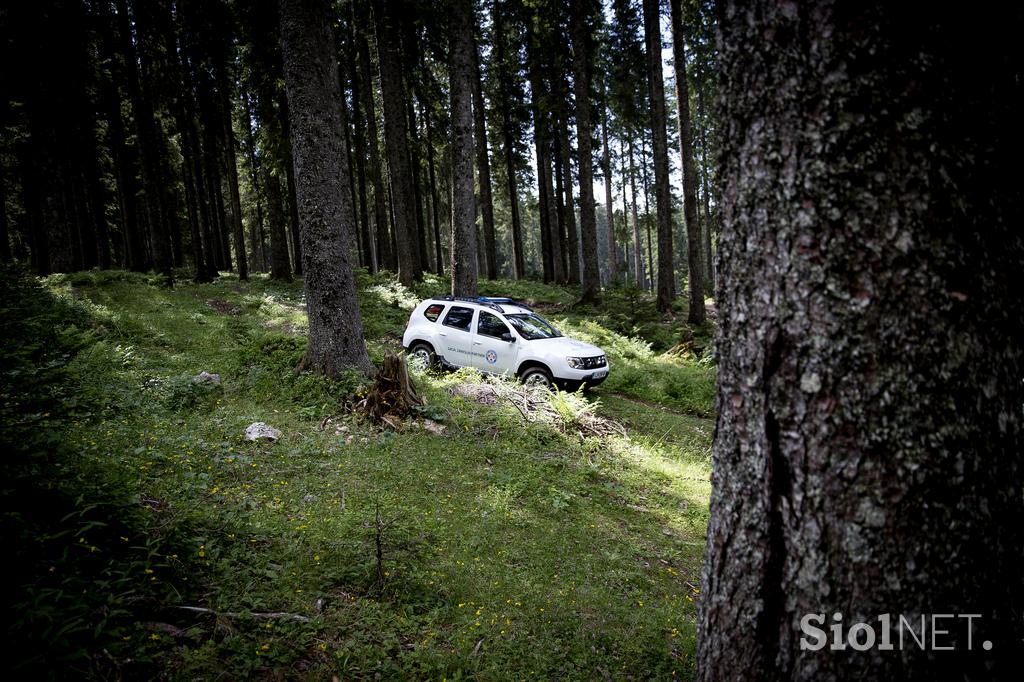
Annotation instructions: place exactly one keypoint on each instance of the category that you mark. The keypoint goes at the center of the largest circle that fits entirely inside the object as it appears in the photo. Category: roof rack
(488, 301)
(509, 301)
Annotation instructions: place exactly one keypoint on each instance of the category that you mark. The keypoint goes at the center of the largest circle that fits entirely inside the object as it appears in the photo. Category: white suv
(501, 336)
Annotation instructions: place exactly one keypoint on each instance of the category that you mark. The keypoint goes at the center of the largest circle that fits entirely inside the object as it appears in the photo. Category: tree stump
(392, 395)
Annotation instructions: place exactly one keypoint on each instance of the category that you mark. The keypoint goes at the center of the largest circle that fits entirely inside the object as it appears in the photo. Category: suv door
(492, 353)
(455, 336)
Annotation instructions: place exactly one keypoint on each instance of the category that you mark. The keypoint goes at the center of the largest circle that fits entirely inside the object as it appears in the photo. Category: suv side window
(490, 325)
(459, 318)
(433, 312)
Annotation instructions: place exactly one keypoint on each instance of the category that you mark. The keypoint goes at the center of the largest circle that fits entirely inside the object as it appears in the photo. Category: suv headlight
(575, 363)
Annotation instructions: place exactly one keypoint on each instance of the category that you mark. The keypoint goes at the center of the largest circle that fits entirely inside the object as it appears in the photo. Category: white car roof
(506, 308)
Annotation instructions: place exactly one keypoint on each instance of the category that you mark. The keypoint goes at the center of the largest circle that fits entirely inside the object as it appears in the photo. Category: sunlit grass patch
(493, 544)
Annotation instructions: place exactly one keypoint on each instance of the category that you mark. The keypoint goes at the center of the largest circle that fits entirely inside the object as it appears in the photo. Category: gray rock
(206, 378)
(260, 431)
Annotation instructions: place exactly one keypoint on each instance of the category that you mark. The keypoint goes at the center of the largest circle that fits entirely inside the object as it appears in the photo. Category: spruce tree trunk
(572, 238)
(656, 88)
(367, 256)
(871, 344)
(591, 272)
(464, 261)
(556, 233)
(709, 222)
(483, 165)
(280, 268)
(638, 253)
(416, 170)
(435, 209)
(543, 193)
(609, 204)
(321, 168)
(693, 244)
(231, 168)
(558, 192)
(382, 233)
(508, 147)
(256, 233)
(5, 239)
(149, 146)
(645, 180)
(357, 238)
(623, 172)
(396, 138)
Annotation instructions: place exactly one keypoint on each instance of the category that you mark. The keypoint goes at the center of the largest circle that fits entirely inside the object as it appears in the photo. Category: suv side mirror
(507, 336)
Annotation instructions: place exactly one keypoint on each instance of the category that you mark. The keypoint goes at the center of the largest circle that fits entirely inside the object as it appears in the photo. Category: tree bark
(483, 165)
(464, 261)
(294, 222)
(656, 89)
(321, 163)
(693, 244)
(868, 457)
(396, 140)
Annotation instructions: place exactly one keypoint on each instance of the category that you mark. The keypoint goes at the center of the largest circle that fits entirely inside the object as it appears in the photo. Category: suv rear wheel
(536, 376)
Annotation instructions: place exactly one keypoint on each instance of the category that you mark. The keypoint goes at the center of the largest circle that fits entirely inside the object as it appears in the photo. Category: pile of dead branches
(391, 397)
(539, 405)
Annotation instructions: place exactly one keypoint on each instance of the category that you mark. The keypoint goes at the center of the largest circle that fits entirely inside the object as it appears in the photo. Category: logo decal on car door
(491, 357)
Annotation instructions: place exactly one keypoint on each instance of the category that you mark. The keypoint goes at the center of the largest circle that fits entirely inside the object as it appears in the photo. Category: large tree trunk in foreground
(663, 199)
(693, 245)
(871, 344)
(326, 214)
(463, 254)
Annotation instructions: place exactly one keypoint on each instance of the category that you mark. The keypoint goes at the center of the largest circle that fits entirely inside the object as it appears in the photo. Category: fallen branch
(275, 615)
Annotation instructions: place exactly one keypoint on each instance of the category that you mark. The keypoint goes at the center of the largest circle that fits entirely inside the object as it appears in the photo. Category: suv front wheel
(536, 376)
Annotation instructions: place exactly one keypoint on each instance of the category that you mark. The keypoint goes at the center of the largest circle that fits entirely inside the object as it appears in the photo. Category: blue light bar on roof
(492, 299)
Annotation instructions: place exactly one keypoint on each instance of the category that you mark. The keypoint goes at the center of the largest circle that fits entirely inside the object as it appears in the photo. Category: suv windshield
(532, 327)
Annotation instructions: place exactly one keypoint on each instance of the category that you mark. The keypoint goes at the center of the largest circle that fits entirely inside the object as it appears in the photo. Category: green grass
(509, 549)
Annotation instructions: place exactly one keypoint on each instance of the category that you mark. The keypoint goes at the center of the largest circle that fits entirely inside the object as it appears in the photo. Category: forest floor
(147, 539)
